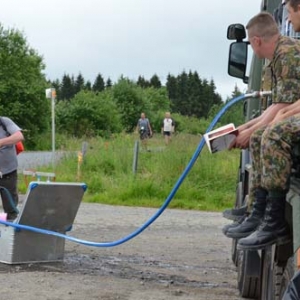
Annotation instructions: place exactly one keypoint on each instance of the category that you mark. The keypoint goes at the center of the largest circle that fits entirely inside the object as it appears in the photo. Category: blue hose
(161, 209)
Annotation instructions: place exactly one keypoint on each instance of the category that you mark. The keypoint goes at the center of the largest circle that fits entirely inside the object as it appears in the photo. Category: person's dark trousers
(9, 182)
(274, 228)
(250, 224)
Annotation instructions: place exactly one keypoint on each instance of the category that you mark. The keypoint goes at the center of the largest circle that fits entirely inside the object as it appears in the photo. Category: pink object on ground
(3, 217)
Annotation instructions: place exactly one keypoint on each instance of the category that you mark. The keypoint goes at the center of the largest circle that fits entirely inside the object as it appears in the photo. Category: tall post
(51, 94)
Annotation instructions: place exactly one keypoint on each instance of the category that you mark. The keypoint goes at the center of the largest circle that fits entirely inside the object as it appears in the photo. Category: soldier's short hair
(262, 25)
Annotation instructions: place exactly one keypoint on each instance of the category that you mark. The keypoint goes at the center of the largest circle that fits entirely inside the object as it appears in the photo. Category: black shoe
(251, 223)
(264, 237)
(248, 226)
(11, 216)
(274, 228)
(234, 224)
(235, 213)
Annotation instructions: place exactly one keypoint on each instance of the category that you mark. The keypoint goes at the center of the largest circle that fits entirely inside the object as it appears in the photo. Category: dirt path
(183, 255)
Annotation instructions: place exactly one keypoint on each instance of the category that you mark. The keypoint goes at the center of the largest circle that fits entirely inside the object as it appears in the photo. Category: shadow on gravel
(122, 267)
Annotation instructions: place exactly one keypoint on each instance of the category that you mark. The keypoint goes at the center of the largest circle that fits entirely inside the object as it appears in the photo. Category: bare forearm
(287, 112)
(12, 139)
(242, 140)
(266, 117)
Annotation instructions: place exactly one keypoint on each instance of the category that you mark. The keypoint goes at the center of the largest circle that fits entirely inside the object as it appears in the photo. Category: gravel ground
(182, 255)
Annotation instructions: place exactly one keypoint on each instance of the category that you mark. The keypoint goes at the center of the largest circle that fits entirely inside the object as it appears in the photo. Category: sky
(131, 37)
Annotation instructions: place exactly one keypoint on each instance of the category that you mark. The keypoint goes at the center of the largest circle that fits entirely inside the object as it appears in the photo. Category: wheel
(239, 195)
(238, 203)
(288, 274)
(277, 279)
(248, 274)
(268, 275)
(273, 281)
(234, 255)
(239, 174)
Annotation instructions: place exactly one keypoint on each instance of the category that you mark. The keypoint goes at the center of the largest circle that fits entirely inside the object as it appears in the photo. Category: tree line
(189, 95)
(99, 108)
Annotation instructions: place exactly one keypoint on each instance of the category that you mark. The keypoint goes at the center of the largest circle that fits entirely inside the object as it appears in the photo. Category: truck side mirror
(236, 32)
(237, 62)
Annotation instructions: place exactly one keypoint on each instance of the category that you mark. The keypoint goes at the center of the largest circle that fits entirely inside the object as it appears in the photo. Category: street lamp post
(51, 94)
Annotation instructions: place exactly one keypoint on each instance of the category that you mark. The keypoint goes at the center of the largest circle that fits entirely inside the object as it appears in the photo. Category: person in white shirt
(168, 127)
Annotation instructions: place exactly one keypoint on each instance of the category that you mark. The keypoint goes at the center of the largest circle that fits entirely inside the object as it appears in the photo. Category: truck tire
(288, 274)
(238, 202)
(271, 276)
(248, 278)
(234, 251)
(277, 277)
(239, 199)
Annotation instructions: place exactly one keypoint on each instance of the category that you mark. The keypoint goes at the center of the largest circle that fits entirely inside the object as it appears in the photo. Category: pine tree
(88, 86)
(183, 94)
(142, 82)
(67, 88)
(155, 82)
(172, 87)
(195, 95)
(108, 83)
(98, 85)
(79, 84)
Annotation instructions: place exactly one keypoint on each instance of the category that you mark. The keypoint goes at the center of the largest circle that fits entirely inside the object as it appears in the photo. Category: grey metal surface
(35, 159)
(47, 205)
(19, 247)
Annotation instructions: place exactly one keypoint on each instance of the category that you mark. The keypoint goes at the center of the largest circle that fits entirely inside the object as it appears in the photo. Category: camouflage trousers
(271, 153)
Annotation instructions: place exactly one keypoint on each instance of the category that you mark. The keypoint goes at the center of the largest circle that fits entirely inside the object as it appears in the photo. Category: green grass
(107, 170)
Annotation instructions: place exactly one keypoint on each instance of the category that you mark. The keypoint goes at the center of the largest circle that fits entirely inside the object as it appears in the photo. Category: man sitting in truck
(277, 142)
(269, 200)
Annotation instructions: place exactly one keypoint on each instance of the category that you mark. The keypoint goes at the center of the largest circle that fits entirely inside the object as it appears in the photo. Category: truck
(263, 274)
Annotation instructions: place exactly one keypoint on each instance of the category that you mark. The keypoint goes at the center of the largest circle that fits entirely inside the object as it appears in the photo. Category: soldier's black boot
(235, 213)
(234, 224)
(251, 223)
(274, 228)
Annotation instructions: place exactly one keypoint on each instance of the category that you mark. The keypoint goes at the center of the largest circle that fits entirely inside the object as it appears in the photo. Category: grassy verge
(107, 169)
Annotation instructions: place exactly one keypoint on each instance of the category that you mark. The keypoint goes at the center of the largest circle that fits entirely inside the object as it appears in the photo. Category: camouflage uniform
(285, 71)
(276, 153)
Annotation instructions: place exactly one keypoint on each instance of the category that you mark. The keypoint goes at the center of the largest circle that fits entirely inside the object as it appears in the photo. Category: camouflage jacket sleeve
(286, 71)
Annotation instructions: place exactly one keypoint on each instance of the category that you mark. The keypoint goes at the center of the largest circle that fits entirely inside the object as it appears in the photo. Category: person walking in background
(10, 134)
(144, 129)
(168, 127)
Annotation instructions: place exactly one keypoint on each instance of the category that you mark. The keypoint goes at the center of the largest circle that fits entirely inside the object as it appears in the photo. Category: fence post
(135, 156)
(80, 158)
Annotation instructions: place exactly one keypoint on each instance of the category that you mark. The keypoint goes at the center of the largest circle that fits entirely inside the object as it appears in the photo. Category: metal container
(48, 205)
